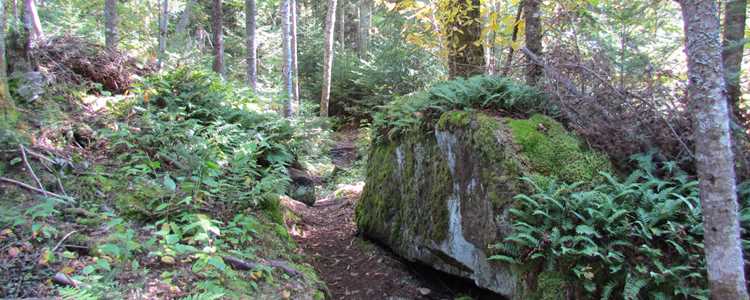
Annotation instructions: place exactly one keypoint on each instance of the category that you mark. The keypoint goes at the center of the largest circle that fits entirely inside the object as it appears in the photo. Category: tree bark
(463, 32)
(340, 19)
(217, 21)
(31, 20)
(111, 19)
(7, 109)
(363, 32)
(328, 57)
(295, 67)
(251, 44)
(733, 44)
(713, 150)
(287, 66)
(163, 21)
(533, 38)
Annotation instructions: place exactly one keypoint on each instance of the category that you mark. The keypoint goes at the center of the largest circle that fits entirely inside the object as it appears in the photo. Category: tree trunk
(513, 38)
(533, 38)
(340, 19)
(365, 19)
(713, 150)
(295, 67)
(7, 109)
(489, 40)
(251, 44)
(217, 19)
(182, 24)
(31, 20)
(163, 20)
(287, 66)
(733, 44)
(111, 33)
(328, 57)
(463, 32)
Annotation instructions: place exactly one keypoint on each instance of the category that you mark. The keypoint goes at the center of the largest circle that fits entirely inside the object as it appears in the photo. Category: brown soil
(352, 267)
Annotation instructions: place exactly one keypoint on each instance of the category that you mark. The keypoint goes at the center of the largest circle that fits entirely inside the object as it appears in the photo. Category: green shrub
(633, 238)
(421, 109)
(200, 140)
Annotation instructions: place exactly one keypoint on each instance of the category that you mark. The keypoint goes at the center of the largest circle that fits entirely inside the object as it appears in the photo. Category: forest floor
(352, 267)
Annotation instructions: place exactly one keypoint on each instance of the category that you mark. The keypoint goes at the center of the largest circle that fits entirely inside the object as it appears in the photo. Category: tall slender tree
(513, 38)
(290, 105)
(7, 109)
(111, 31)
(713, 150)
(341, 19)
(251, 44)
(733, 44)
(363, 30)
(293, 8)
(328, 57)
(217, 28)
(533, 22)
(31, 20)
(163, 22)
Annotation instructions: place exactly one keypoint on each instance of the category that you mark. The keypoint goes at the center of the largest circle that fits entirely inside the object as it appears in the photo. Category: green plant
(632, 238)
(423, 109)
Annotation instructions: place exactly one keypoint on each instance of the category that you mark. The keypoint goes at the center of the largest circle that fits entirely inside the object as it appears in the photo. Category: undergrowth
(620, 239)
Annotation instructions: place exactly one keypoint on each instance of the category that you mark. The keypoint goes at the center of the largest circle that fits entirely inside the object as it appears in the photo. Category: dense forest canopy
(196, 149)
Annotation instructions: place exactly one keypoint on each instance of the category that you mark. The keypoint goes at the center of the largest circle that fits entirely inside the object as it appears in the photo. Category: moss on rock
(553, 151)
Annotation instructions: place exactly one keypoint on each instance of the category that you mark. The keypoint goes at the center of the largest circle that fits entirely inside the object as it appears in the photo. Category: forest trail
(352, 267)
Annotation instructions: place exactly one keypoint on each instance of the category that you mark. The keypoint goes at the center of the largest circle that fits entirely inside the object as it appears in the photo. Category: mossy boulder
(442, 197)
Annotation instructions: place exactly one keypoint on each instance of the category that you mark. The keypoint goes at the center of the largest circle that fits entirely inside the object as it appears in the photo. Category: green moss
(553, 151)
(493, 144)
(550, 286)
(456, 118)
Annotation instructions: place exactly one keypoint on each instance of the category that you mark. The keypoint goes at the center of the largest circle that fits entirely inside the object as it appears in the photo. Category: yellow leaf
(168, 260)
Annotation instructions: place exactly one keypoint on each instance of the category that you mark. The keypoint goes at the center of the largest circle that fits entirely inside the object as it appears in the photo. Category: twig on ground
(31, 170)
(63, 240)
(28, 187)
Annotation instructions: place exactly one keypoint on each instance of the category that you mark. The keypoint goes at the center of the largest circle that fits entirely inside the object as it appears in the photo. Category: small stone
(424, 291)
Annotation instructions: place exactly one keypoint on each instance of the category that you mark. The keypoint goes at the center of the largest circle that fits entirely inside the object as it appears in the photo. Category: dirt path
(352, 267)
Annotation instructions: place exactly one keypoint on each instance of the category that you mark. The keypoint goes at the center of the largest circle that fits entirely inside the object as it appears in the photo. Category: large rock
(442, 198)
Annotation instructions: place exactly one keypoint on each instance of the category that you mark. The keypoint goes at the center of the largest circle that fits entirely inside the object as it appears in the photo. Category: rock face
(302, 187)
(442, 198)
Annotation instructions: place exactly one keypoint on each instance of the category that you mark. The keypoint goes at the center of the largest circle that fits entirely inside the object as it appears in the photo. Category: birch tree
(217, 21)
(111, 19)
(713, 150)
(328, 57)
(251, 44)
(293, 16)
(287, 65)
